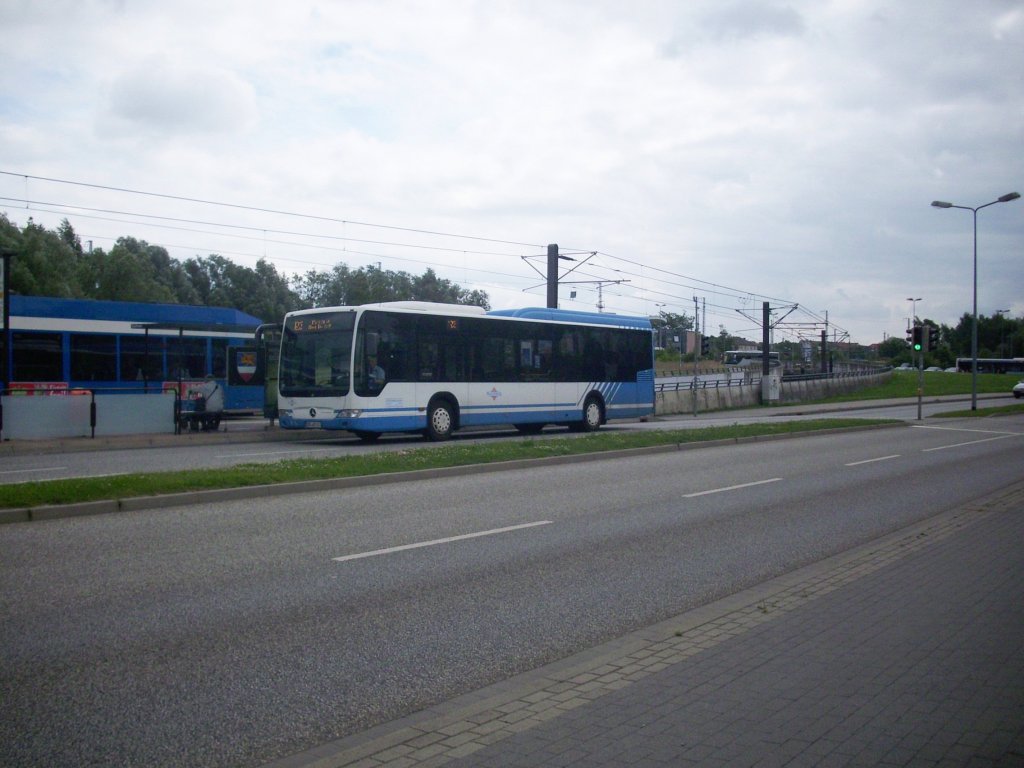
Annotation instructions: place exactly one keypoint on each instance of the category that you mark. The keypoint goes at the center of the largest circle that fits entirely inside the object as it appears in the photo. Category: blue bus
(433, 368)
(115, 346)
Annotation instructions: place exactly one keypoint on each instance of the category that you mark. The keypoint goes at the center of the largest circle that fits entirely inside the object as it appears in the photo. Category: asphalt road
(240, 632)
(170, 452)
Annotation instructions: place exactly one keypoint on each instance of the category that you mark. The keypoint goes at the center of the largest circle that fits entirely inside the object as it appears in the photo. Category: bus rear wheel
(440, 421)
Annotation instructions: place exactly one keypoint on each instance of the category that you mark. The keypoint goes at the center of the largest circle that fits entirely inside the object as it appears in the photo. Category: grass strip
(936, 384)
(1001, 410)
(41, 493)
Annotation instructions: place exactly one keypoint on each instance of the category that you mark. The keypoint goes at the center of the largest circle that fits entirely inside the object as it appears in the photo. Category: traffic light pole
(919, 339)
(920, 381)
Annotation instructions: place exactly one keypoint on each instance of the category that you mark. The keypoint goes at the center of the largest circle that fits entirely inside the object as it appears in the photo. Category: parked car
(933, 368)
(1018, 389)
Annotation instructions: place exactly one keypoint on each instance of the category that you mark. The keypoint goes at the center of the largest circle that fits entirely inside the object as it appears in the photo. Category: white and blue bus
(433, 368)
(749, 357)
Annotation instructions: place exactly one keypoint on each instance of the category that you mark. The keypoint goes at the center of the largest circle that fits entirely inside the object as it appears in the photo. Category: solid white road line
(969, 442)
(962, 429)
(730, 488)
(21, 471)
(302, 451)
(435, 542)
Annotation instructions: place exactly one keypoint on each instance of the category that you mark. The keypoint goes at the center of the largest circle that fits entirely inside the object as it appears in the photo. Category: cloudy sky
(739, 152)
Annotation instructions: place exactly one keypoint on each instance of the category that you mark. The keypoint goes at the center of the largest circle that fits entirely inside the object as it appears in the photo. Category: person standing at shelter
(213, 395)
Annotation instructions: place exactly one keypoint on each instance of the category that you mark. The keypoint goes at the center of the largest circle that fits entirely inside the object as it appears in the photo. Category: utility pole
(696, 355)
(553, 276)
(766, 328)
(703, 321)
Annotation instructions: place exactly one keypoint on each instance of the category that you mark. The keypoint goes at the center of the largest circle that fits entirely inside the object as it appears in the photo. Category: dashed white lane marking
(870, 461)
(730, 488)
(435, 542)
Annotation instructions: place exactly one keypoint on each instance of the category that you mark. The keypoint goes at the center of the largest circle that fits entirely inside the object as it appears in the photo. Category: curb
(141, 503)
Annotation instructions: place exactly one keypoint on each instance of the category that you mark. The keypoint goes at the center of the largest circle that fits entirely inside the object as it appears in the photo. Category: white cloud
(161, 97)
(788, 149)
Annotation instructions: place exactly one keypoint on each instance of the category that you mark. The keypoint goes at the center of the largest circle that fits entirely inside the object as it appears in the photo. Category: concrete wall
(713, 399)
(748, 395)
(802, 391)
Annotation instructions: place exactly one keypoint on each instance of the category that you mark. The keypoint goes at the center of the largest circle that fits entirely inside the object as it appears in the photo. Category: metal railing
(754, 379)
(678, 386)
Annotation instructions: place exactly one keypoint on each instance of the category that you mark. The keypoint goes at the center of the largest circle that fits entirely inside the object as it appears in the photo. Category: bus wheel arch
(442, 417)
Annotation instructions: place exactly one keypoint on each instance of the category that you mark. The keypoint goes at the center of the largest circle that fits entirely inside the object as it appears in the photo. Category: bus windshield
(315, 355)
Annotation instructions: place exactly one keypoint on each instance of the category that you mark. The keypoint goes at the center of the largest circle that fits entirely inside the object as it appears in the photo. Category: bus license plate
(313, 425)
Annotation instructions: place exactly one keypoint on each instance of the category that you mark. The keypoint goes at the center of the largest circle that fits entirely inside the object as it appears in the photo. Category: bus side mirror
(372, 341)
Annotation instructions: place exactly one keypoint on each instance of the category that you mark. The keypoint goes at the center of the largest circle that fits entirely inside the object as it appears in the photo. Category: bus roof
(523, 313)
(572, 316)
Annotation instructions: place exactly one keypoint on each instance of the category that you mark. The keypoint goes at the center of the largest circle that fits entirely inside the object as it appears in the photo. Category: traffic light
(918, 338)
(932, 342)
(910, 337)
(705, 345)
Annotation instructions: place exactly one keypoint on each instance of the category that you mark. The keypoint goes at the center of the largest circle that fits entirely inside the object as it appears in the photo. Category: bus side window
(428, 360)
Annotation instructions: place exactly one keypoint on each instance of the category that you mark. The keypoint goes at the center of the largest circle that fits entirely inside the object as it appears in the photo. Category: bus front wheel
(440, 421)
(593, 416)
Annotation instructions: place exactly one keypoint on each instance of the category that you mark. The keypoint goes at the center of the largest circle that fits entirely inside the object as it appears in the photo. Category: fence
(29, 414)
(715, 394)
(676, 386)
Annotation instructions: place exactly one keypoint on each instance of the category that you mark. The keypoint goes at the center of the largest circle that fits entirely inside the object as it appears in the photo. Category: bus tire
(593, 416)
(440, 420)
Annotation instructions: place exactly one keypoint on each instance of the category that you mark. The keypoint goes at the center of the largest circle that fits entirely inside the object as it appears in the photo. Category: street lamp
(974, 313)
(913, 310)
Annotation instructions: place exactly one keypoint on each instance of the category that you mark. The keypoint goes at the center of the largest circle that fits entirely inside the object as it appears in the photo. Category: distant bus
(749, 357)
(992, 364)
(114, 347)
(432, 368)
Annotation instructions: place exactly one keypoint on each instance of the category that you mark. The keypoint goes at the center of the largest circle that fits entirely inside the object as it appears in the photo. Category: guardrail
(855, 374)
(751, 379)
(677, 386)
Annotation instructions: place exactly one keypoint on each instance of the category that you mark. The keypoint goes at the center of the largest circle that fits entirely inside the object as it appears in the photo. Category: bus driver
(375, 374)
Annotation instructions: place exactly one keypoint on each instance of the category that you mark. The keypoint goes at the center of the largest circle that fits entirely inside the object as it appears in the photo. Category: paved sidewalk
(906, 651)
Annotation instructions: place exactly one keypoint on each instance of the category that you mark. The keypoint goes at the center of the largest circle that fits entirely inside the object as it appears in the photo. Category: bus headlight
(284, 413)
(347, 413)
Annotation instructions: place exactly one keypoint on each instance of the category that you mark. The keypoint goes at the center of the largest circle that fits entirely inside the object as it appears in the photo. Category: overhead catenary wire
(598, 271)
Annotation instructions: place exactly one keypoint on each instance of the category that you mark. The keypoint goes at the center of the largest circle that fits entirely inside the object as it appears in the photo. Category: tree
(42, 263)
(261, 292)
(131, 272)
(894, 349)
(368, 285)
(67, 234)
(52, 263)
(669, 328)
